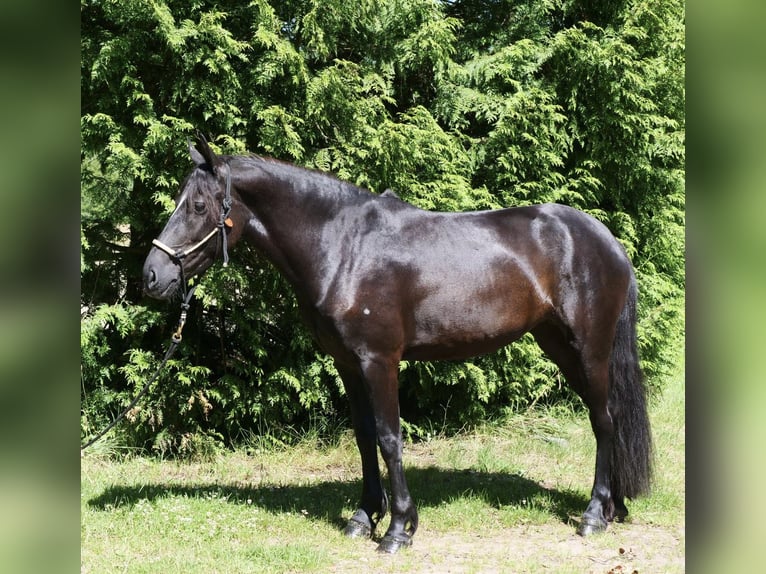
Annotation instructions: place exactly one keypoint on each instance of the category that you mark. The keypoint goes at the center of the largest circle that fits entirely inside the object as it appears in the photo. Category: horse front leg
(374, 502)
(381, 379)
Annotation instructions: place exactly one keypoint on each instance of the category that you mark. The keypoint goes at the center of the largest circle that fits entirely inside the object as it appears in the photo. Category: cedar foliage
(455, 104)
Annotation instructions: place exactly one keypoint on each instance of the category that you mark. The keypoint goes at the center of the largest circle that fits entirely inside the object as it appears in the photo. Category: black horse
(379, 281)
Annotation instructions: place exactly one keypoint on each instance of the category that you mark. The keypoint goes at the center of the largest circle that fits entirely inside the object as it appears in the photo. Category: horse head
(198, 231)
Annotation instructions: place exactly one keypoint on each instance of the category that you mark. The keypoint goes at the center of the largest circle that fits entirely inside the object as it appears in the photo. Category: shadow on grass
(430, 487)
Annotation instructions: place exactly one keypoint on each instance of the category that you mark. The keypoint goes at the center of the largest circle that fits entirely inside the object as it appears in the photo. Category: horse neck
(290, 207)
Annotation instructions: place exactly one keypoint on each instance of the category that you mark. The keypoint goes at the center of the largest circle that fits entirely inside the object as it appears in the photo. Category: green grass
(505, 497)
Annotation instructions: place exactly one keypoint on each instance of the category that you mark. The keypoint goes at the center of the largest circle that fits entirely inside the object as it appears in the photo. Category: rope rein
(177, 256)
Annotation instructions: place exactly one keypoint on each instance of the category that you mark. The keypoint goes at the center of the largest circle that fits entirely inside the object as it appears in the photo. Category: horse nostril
(150, 278)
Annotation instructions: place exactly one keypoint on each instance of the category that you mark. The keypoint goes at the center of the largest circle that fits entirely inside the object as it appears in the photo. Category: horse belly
(458, 348)
(462, 323)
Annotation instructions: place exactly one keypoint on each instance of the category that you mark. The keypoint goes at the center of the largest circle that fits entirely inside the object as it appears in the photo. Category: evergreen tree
(456, 105)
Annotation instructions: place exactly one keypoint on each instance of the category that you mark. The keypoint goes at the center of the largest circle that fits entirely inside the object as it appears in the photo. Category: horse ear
(201, 153)
(195, 155)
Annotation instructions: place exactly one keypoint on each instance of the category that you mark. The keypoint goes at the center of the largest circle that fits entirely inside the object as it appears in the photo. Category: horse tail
(632, 447)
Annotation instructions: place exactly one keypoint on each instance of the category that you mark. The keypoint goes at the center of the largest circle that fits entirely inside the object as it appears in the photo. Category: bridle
(177, 256)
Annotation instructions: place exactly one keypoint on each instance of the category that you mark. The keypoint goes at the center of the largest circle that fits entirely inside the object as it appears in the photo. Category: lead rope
(178, 257)
(175, 339)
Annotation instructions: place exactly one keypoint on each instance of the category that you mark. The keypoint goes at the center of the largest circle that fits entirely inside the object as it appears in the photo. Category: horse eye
(199, 206)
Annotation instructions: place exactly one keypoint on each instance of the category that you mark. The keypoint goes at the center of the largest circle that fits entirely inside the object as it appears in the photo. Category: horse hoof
(620, 514)
(359, 525)
(590, 526)
(357, 529)
(392, 544)
(620, 511)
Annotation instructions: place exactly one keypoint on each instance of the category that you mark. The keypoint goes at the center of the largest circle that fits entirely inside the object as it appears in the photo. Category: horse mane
(278, 167)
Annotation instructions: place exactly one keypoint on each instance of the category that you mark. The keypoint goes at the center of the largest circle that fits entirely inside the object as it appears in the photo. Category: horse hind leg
(601, 508)
(626, 467)
(590, 380)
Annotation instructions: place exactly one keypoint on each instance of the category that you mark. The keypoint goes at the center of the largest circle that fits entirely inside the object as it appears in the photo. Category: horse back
(427, 285)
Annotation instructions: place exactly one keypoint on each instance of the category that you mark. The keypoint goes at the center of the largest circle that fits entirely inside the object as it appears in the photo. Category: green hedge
(456, 105)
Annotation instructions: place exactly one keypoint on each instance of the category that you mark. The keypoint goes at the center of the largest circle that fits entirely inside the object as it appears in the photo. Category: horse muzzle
(162, 277)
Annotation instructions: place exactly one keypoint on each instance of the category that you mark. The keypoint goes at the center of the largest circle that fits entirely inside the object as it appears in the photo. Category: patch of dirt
(623, 549)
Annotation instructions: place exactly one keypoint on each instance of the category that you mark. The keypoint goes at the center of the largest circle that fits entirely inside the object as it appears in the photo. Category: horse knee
(390, 446)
